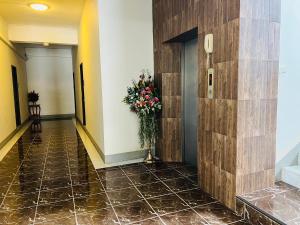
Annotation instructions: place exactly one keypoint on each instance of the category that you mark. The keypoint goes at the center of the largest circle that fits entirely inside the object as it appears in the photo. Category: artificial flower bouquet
(143, 99)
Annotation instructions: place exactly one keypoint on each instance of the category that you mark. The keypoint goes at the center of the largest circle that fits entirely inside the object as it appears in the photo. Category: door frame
(15, 84)
(82, 95)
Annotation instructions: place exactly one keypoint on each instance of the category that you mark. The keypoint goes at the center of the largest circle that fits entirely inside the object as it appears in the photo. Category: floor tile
(215, 213)
(60, 221)
(91, 203)
(134, 169)
(124, 196)
(278, 206)
(104, 217)
(196, 197)
(180, 184)
(167, 204)
(109, 173)
(116, 183)
(19, 189)
(14, 202)
(55, 195)
(243, 222)
(57, 168)
(184, 217)
(80, 180)
(54, 211)
(157, 166)
(56, 183)
(294, 222)
(3, 190)
(153, 221)
(154, 190)
(144, 178)
(23, 216)
(87, 189)
(194, 179)
(167, 174)
(134, 212)
(187, 170)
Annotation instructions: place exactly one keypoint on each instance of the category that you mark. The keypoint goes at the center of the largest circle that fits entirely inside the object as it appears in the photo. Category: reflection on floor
(94, 154)
(276, 205)
(48, 178)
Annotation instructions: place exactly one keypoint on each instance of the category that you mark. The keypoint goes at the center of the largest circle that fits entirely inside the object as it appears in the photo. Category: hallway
(50, 179)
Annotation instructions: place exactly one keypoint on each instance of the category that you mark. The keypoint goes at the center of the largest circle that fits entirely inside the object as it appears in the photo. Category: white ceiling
(60, 13)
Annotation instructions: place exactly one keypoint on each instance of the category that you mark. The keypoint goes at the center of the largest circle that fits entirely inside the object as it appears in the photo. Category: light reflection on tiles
(49, 178)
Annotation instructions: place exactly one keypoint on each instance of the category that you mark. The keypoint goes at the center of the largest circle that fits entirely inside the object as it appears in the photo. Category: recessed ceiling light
(39, 6)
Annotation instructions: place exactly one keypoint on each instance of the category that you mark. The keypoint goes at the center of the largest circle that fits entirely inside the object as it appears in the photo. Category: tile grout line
(118, 221)
(102, 185)
(74, 206)
(141, 195)
(193, 208)
(18, 169)
(180, 197)
(45, 161)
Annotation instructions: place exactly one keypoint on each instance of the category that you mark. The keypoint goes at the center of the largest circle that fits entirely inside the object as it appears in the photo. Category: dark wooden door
(82, 95)
(16, 95)
(74, 93)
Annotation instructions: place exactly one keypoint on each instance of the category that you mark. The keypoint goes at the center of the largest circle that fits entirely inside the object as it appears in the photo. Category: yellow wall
(9, 57)
(88, 53)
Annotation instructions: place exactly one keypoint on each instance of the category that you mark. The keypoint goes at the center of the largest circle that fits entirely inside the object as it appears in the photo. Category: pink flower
(156, 99)
(147, 97)
(147, 89)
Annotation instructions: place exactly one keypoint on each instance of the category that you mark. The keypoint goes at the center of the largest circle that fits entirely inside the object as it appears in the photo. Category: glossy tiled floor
(48, 178)
(280, 203)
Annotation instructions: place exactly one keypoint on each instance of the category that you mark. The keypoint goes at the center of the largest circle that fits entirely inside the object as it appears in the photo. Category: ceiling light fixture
(39, 6)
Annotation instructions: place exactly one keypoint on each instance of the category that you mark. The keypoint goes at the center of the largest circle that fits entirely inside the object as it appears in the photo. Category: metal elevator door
(190, 101)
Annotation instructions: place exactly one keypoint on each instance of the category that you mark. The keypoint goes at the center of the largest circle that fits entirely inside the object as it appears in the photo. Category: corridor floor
(48, 178)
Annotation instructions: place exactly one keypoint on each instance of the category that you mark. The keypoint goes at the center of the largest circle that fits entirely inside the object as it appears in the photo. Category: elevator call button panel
(210, 83)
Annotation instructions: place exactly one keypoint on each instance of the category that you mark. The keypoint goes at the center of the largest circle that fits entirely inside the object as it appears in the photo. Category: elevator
(190, 100)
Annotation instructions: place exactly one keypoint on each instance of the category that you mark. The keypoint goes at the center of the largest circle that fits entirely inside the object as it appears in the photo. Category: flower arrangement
(33, 97)
(143, 99)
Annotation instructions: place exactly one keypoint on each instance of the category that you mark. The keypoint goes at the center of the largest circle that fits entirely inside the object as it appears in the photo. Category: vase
(149, 156)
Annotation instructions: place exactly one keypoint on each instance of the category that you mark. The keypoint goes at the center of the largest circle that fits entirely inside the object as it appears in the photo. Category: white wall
(288, 122)
(288, 125)
(50, 73)
(40, 34)
(126, 48)
(8, 58)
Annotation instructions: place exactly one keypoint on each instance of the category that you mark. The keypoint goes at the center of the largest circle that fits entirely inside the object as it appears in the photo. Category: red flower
(156, 99)
(147, 89)
(147, 97)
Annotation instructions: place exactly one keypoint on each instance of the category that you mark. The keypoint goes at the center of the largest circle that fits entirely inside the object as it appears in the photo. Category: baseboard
(126, 156)
(110, 159)
(92, 139)
(10, 136)
(57, 117)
